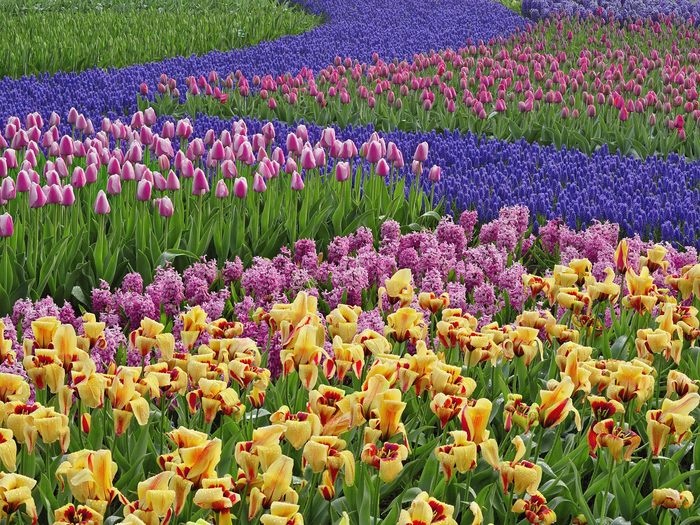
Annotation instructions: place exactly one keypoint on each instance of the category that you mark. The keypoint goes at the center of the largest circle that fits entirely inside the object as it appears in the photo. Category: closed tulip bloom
(373, 152)
(240, 187)
(221, 190)
(383, 168)
(421, 153)
(144, 190)
(308, 160)
(200, 184)
(342, 171)
(259, 185)
(7, 226)
(165, 207)
(101, 206)
(114, 185)
(37, 197)
(8, 449)
(297, 182)
(172, 183)
(68, 196)
(228, 169)
(24, 182)
(434, 174)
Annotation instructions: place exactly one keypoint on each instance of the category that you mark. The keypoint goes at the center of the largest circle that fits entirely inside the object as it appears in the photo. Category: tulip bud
(200, 184)
(8, 190)
(78, 179)
(342, 171)
(3, 168)
(143, 190)
(327, 137)
(297, 182)
(91, 174)
(228, 169)
(68, 195)
(434, 174)
(114, 185)
(374, 152)
(101, 204)
(55, 195)
(308, 161)
(221, 191)
(24, 182)
(240, 187)
(85, 422)
(172, 183)
(383, 169)
(421, 153)
(259, 185)
(7, 226)
(165, 207)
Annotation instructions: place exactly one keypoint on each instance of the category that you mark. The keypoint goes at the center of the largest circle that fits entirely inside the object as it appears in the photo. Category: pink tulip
(268, 131)
(217, 152)
(342, 171)
(259, 185)
(297, 182)
(159, 181)
(78, 179)
(434, 174)
(228, 169)
(221, 190)
(278, 156)
(128, 172)
(290, 166)
(144, 190)
(164, 163)
(416, 167)
(240, 187)
(294, 145)
(165, 207)
(383, 169)
(374, 152)
(68, 195)
(421, 153)
(11, 158)
(101, 204)
(183, 129)
(149, 116)
(24, 182)
(7, 190)
(200, 184)
(187, 170)
(302, 133)
(172, 182)
(7, 225)
(168, 130)
(328, 138)
(52, 178)
(37, 199)
(308, 161)
(3, 167)
(91, 173)
(55, 195)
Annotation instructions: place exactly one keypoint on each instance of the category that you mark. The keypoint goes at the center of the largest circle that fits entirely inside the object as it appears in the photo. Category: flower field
(349, 263)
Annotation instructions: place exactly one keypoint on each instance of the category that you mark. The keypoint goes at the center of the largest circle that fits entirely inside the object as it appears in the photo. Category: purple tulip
(143, 190)
(240, 187)
(221, 190)
(101, 204)
(7, 225)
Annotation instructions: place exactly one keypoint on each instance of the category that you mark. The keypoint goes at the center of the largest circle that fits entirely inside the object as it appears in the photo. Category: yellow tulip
(474, 418)
(446, 407)
(299, 427)
(304, 305)
(620, 441)
(655, 259)
(680, 384)
(556, 404)
(414, 369)
(687, 283)
(276, 486)
(525, 475)
(432, 302)
(327, 454)
(630, 381)
(398, 288)
(144, 338)
(452, 324)
(387, 459)
(372, 342)
(650, 342)
(406, 324)
(672, 420)
(215, 397)
(194, 322)
(426, 510)
(346, 356)
(8, 449)
(523, 342)
(449, 380)
(518, 412)
(336, 416)
(126, 402)
(44, 329)
(217, 494)
(282, 514)
(641, 290)
(304, 356)
(13, 388)
(672, 499)
(89, 475)
(16, 492)
(262, 451)
(460, 455)
(7, 355)
(77, 515)
(45, 369)
(621, 253)
(342, 322)
(535, 509)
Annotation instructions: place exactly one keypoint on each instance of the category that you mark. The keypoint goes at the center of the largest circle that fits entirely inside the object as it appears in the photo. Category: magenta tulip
(101, 204)
(165, 207)
(68, 195)
(7, 225)
(240, 187)
(297, 183)
(383, 169)
(114, 185)
(221, 190)
(143, 190)
(172, 182)
(259, 185)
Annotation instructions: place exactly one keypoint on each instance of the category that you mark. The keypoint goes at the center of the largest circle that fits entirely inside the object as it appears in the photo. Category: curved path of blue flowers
(653, 197)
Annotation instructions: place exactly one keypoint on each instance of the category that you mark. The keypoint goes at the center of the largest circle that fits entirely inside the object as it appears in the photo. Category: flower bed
(395, 403)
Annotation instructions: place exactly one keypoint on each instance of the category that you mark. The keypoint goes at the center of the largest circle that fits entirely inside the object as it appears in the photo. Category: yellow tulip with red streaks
(16, 493)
